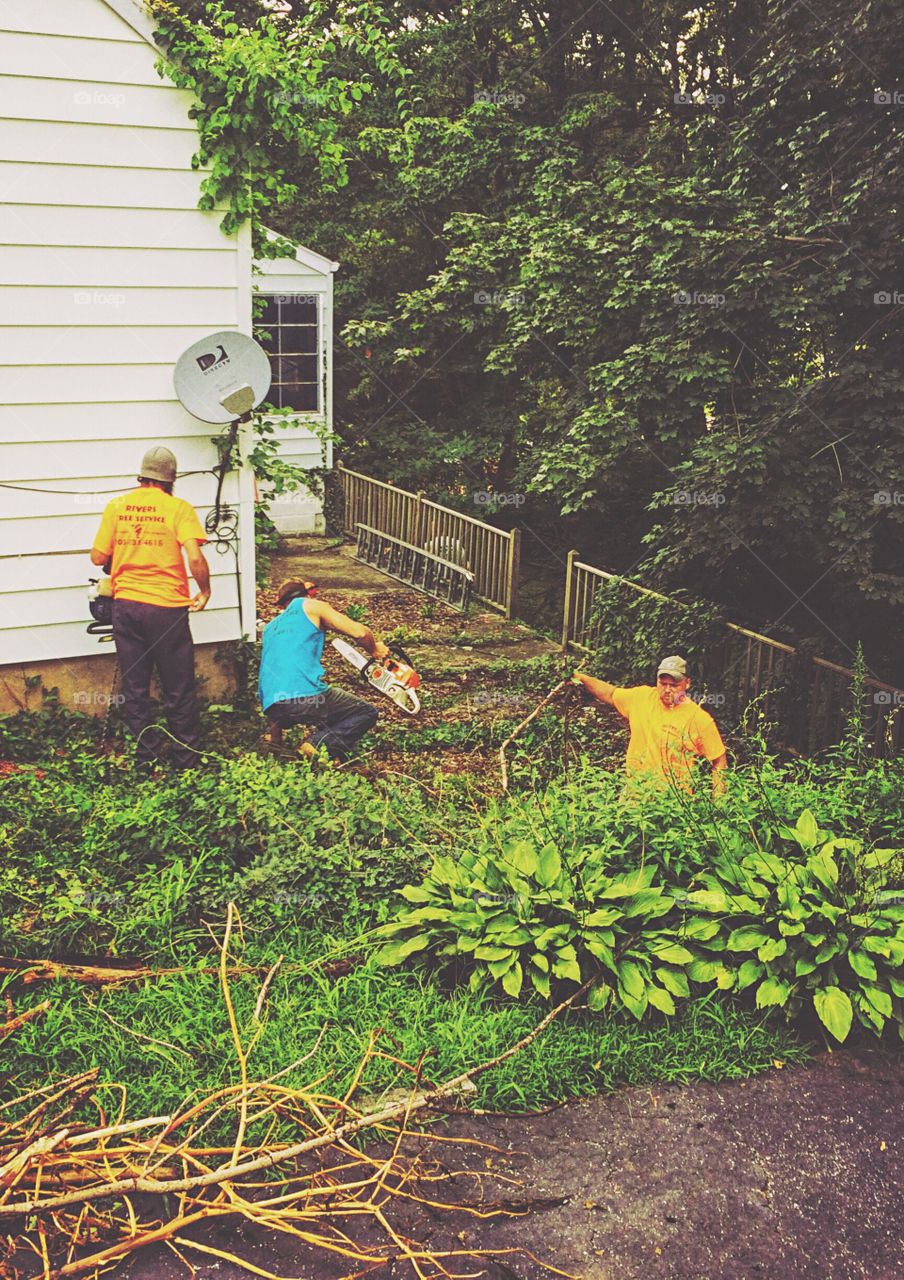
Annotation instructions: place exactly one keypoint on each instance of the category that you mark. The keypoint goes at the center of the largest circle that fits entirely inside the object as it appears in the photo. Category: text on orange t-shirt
(145, 531)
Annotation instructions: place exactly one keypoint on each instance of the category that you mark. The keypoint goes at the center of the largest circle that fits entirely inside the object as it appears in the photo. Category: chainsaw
(393, 676)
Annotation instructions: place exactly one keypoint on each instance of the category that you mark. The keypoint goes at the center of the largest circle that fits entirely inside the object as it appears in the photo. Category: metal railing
(492, 555)
(807, 696)
(413, 565)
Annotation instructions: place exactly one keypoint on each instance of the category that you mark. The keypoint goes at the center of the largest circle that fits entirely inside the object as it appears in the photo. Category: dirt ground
(795, 1173)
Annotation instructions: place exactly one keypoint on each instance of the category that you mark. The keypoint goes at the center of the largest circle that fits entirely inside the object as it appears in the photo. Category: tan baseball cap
(673, 666)
(158, 463)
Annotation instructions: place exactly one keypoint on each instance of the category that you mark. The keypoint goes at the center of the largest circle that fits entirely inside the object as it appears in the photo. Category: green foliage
(811, 919)
(633, 629)
(821, 922)
(268, 88)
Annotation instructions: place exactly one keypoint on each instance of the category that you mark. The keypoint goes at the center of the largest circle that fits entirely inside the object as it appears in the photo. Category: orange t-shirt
(144, 531)
(664, 740)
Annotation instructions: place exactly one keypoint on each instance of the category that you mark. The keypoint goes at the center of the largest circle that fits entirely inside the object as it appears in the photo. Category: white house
(108, 271)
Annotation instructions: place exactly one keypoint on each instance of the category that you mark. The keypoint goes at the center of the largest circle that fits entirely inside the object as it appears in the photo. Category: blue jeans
(341, 719)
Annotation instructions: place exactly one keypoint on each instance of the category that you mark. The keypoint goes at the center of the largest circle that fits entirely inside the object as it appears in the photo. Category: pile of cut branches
(81, 1189)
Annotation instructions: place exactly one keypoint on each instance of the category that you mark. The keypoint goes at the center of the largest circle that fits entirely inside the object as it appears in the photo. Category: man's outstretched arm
(599, 689)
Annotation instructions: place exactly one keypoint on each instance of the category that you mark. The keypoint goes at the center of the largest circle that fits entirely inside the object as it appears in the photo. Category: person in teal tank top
(291, 682)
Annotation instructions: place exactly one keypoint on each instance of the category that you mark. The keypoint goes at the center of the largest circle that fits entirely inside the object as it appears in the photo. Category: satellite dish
(222, 377)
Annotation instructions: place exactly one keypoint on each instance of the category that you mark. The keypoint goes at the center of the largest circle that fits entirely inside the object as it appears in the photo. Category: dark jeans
(342, 719)
(149, 636)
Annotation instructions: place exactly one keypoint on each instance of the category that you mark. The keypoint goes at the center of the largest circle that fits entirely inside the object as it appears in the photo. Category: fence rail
(491, 555)
(808, 697)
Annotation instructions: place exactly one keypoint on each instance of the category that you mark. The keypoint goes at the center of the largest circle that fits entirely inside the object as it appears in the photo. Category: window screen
(287, 329)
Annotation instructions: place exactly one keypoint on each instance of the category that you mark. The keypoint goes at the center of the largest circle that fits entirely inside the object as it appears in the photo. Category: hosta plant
(523, 915)
(817, 924)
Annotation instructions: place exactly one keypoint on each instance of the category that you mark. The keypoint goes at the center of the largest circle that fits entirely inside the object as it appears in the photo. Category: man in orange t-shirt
(142, 536)
(668, 729)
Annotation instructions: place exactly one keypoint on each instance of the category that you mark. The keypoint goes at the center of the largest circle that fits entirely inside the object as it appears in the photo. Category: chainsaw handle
(399, 652)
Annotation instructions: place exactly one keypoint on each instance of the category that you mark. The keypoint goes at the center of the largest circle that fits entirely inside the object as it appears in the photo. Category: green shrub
(812, 921)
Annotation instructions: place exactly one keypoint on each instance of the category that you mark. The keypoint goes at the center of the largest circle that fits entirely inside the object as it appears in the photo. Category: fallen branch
(56, 1173)
(7, 1028)
(269, 1160)
(553, 693)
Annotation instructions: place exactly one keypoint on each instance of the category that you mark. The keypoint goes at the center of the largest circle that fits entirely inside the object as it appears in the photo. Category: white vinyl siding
(108, 271)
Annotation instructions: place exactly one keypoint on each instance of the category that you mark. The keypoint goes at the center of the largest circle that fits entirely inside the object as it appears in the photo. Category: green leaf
(879, 999)
(599, 996)
(549, 866)
(674, 980)
(806, 830)
(824, 867)
(772, 949)
(705, 970)
(748, 973)
(637, 1005)
(772, 991)
(498, 967)
(897, 985)
(863, 965)
(599, 919)
(630, 978)
(626, 886)
(541, 982)
(567, 969)
(649, 902)
(415, 893)
(493, 953)
(672, 953)
(834, 1010)
(699, 929)
(710, 900)
(511, 982)
(522, 855)
(396, 952)
(660, 999)
(747, 938)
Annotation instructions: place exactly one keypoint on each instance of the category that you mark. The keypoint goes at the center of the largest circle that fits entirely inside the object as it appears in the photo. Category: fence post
(414, 521)
(514, 569)
(566, 616)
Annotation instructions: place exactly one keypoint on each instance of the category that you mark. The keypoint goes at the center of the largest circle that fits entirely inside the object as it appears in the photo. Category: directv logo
(211, 360)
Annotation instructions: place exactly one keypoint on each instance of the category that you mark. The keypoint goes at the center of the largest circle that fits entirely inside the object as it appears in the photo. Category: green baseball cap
(158, 463)
(673, 666)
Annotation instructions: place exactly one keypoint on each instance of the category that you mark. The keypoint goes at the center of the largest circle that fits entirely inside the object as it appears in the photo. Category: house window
(288, 330)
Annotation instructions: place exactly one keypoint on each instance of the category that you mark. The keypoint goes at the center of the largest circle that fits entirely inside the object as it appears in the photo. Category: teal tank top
(291, 657)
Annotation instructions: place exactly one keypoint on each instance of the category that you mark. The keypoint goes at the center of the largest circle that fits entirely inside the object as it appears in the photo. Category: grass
(97, 865)
(169, 1037)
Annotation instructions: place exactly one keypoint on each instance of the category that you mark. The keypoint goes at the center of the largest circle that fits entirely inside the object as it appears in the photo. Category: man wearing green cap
(668, 729)
(143, 535)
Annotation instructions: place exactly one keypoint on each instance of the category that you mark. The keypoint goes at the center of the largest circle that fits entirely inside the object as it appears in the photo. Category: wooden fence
(809, 698)
(491, 555)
